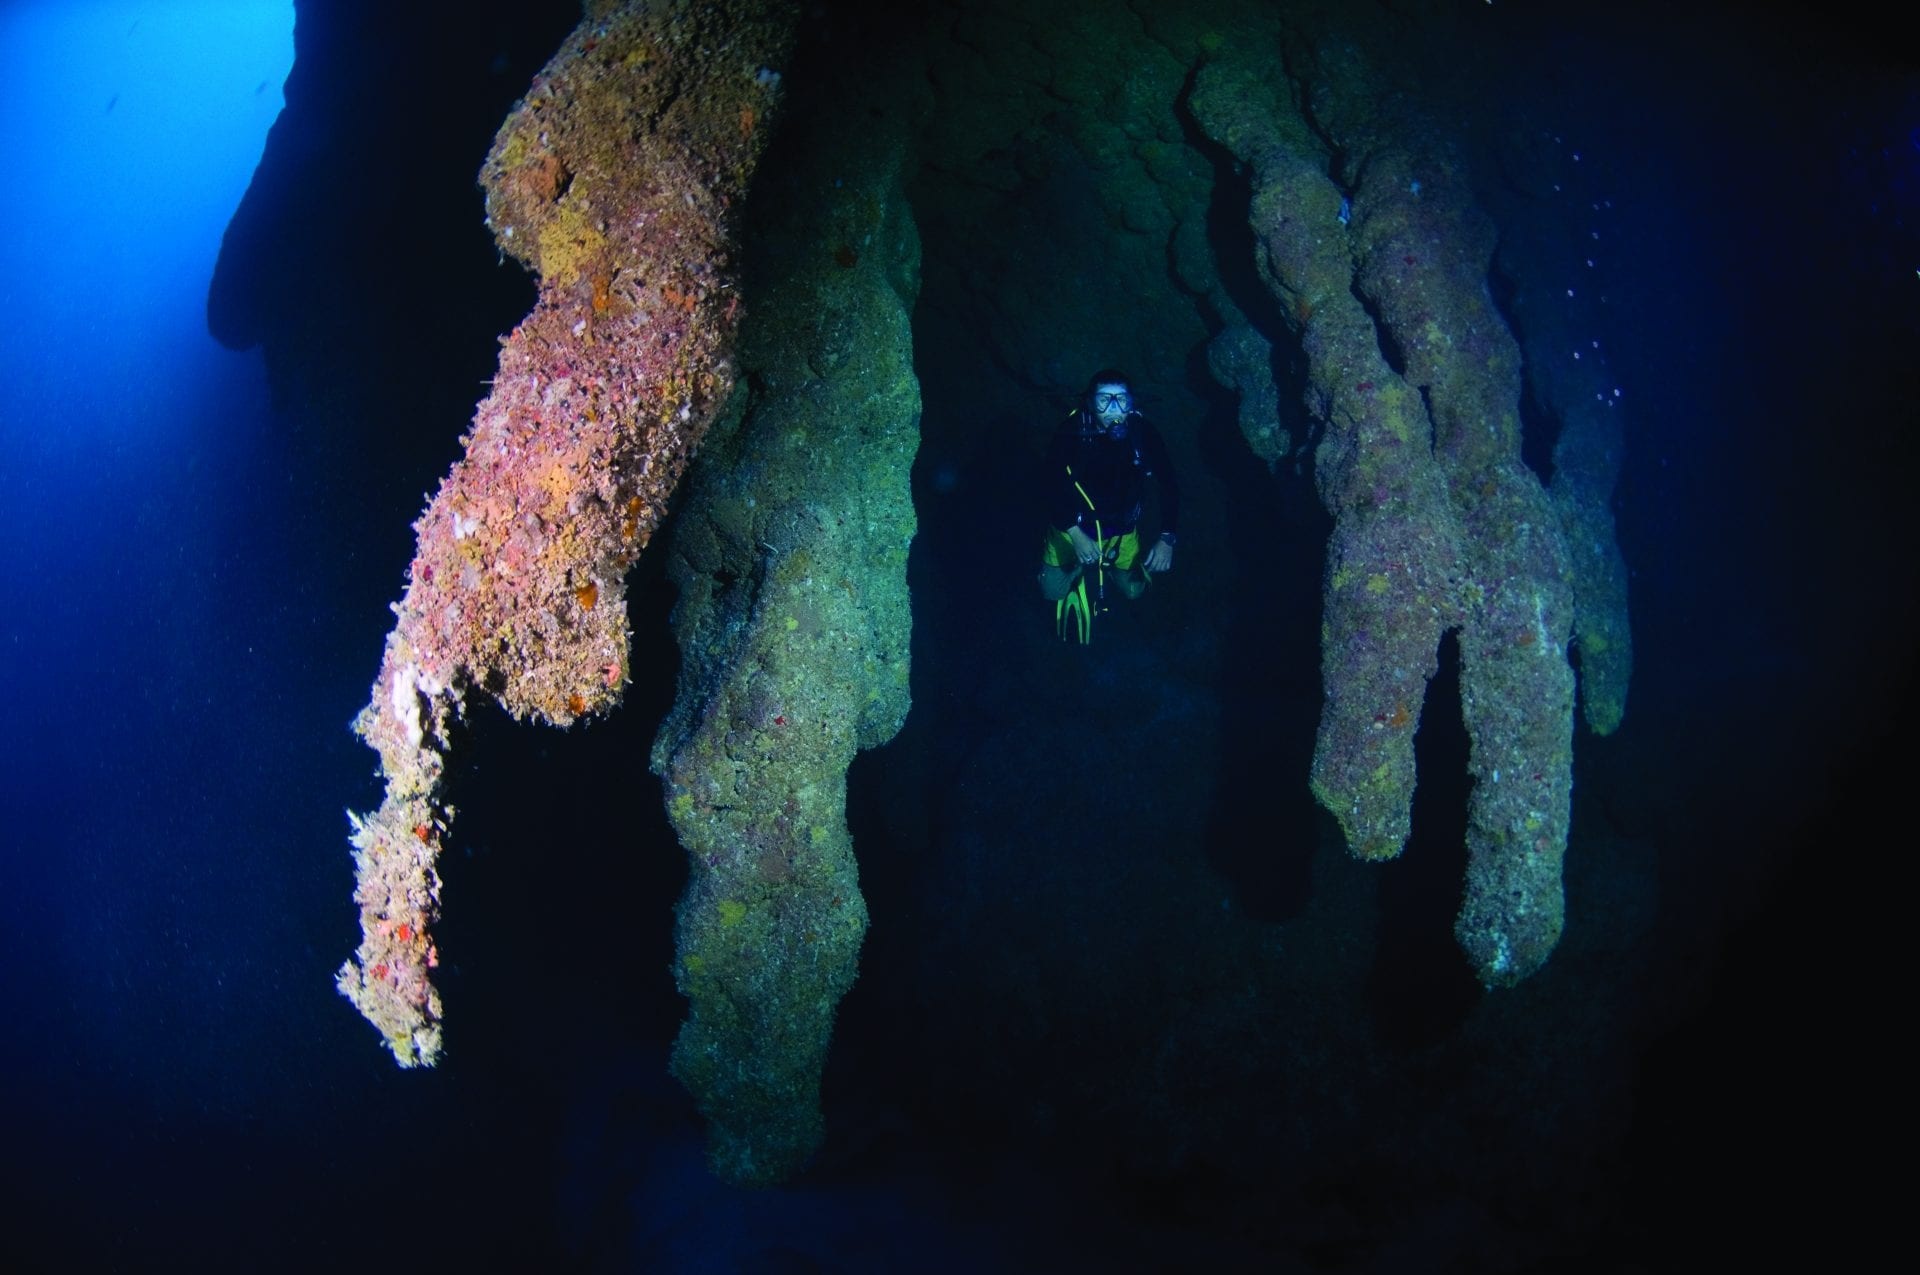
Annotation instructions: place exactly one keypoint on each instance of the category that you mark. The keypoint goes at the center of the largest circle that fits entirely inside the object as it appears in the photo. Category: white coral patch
(406, 702)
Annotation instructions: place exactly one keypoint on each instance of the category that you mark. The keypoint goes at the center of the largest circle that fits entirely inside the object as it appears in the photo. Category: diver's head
(1109, 398)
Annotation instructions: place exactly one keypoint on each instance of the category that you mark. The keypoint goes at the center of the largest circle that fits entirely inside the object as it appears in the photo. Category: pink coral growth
(611, 180)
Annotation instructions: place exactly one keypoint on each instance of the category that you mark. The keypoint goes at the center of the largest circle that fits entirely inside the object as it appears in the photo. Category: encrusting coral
(612, 180)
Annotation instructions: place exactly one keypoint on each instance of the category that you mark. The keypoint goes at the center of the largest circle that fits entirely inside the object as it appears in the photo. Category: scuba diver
(1096, 471)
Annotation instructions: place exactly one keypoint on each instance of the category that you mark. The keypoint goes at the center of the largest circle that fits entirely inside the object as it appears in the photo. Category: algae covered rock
(795, 626)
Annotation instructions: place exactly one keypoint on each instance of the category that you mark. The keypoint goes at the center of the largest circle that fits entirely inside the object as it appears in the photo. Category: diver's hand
(1160, 557)
(1084, 547)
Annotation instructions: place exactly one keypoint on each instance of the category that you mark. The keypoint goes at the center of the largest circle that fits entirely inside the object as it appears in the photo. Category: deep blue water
(194, 576)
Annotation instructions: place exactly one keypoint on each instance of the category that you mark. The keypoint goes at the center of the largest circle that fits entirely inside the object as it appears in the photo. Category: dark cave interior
(1116, 946)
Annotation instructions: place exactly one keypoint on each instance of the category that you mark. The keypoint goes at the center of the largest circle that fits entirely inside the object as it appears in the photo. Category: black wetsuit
(1112, 466)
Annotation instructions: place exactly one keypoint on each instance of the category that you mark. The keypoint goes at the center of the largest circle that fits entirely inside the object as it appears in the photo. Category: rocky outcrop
(613, 181)
(794, 626)
(1438, 523)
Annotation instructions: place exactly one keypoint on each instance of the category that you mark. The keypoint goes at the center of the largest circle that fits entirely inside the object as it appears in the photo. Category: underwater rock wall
(1049, 118)
(612, 180)
(795, 627)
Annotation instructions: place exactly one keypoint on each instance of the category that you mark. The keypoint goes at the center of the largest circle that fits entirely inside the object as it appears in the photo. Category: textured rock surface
(1046, 118)
(611, 180)
(1439, 524)
(1272, 210)
(794, 626)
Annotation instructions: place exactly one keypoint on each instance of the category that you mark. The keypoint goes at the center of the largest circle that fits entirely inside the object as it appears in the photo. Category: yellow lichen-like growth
(567, 244)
